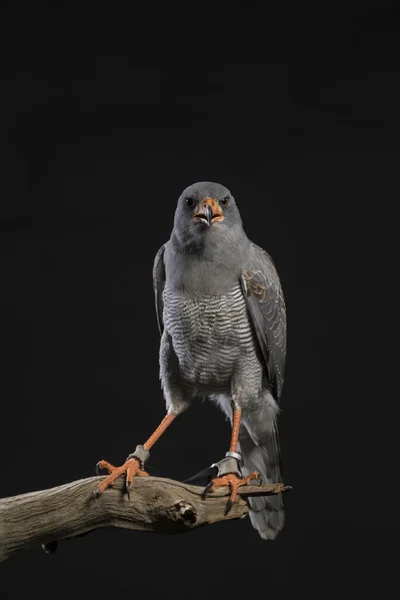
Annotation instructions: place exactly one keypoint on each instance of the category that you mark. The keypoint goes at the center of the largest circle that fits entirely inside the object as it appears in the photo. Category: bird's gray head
(207, 214)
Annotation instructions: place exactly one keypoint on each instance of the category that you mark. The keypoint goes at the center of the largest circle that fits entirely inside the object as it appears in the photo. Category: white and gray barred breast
(213, 339)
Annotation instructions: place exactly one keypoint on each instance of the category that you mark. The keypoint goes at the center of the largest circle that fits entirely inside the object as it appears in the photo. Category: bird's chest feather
(209, 333)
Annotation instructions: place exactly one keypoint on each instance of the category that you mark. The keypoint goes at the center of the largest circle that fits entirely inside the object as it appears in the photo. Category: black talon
(50, 547)
(207, 489)
(96, 493)
(98, 468)
(128, 489)
(228, 506)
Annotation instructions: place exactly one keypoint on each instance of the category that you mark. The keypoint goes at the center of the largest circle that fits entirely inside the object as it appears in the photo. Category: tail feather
(266, 513)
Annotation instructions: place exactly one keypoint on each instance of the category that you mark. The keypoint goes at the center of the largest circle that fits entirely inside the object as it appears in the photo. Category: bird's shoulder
(159, 265)
(158, 284)
(260, 273)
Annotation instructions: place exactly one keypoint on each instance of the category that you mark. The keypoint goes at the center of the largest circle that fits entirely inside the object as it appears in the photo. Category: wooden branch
(156, 504)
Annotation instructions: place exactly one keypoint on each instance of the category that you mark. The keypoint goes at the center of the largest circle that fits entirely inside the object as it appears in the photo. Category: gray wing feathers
(266, 305)
(258, 440)
(158, 286)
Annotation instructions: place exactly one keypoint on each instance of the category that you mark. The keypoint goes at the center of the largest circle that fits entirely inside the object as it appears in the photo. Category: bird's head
(206, 211)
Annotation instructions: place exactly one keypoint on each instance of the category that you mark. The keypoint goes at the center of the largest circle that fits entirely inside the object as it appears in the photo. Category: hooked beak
(208, 215)
(209, 212)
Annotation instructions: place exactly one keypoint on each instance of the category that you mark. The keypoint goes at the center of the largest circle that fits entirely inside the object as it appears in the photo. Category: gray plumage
(222, 320)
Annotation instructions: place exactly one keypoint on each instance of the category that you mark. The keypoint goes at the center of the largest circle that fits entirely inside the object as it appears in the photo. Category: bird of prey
(222, 320)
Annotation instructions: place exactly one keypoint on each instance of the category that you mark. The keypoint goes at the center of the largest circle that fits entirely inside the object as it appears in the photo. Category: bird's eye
(190, 201)
(225, 201)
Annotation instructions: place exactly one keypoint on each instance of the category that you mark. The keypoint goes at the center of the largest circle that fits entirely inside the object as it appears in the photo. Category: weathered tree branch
(156, 504)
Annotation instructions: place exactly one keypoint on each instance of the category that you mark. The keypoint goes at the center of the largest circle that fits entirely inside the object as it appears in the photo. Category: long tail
(266, 513)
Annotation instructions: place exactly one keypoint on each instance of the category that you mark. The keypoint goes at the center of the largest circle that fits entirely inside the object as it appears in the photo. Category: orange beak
(209, 212)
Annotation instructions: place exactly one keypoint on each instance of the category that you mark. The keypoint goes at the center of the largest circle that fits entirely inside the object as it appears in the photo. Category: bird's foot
(234, 482)
(132, 468)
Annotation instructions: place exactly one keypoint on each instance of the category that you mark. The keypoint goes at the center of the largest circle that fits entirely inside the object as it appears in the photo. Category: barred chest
(209, 335)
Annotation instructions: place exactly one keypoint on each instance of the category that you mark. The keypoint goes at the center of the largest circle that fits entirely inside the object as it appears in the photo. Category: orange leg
(232, 479)
(237, 415)
(167, 420)
(133, 464)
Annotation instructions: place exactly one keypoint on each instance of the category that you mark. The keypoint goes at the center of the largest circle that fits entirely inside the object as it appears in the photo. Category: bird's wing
(158, 285)
(266, 305)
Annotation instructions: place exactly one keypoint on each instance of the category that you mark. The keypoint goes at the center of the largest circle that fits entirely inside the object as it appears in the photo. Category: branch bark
(156, 504)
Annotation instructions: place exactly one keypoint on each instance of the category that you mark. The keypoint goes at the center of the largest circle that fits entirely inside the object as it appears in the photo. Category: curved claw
(208, 489)
(97, 468)
(96, 493)
(50, 547)
(228, 506)
(128, 489)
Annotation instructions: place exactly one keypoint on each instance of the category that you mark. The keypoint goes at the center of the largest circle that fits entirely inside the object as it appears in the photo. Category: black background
(107, 114)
